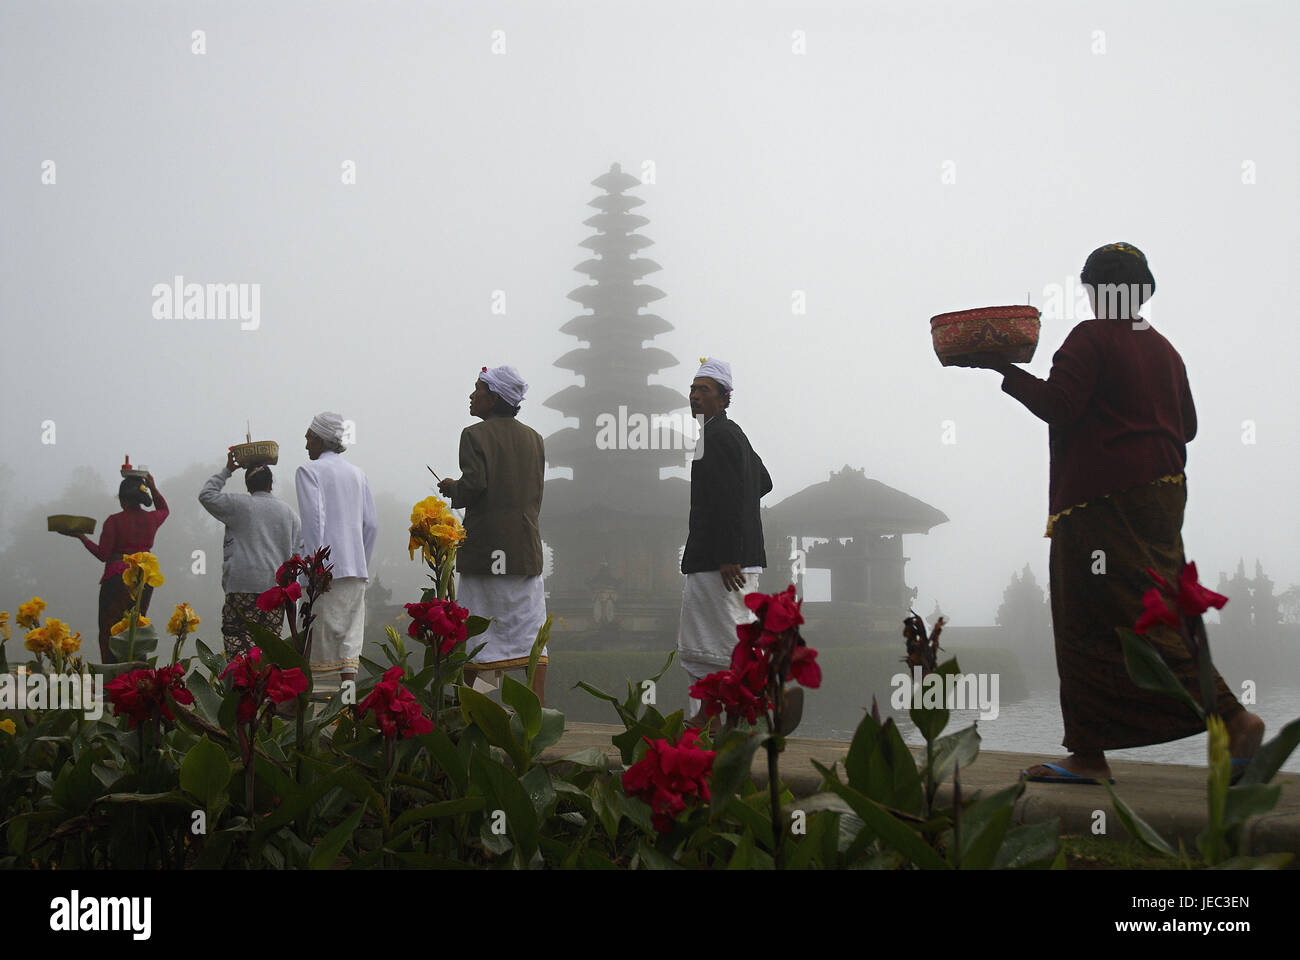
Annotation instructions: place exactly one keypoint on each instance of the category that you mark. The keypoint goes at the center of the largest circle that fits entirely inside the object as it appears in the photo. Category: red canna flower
(804, 669)
(142, 694)
(1190, 600)
(396, 709)
(1194, 599)
(726, 690)
(261, 683)
(438, 620)
(778, 611)
(277, 597)
(669, 778)
(1155, 612)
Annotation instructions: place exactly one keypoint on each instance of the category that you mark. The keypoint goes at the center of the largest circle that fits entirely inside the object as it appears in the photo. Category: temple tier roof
(603, 297)
(639, 326)
(645, 398)
(848, 504)
(589, 361)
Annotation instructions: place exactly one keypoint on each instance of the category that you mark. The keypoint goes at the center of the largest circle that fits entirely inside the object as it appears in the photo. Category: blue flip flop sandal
(1062, 776)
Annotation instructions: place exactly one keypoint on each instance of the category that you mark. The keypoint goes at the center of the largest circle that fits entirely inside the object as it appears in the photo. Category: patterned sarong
(1101, 706)
(234, 632)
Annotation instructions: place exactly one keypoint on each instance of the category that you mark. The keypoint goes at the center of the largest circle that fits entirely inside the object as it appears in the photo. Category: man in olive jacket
(724, 550)
(503, 465)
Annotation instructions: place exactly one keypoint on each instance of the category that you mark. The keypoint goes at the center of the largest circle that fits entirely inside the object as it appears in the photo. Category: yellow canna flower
(125, 624)
(72, 643)
(37, 641)
(433, 528)
(9, 727)
(29, 613)
(183, 620)
(141, 566)
(56, 631)
(4, 625)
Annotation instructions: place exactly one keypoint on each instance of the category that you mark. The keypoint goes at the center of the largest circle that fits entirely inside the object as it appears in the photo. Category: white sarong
(710, 615)
(515, 603)
(338, 632)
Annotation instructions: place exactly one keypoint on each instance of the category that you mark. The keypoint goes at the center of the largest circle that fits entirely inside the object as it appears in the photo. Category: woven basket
(257, 453)
(66, 523)
(1009, 332)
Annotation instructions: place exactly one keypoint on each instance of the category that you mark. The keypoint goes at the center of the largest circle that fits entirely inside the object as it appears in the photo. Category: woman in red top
(1120, 414)
(130, 531)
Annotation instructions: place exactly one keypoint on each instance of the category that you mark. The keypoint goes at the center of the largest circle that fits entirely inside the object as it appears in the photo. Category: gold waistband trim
(512, 664)
(1051, 521)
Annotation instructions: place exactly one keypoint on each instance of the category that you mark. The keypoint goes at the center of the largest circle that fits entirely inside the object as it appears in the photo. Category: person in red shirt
(1120, 415)
(130, 531)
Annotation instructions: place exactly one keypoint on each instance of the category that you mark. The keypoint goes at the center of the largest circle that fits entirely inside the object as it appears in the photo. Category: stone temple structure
(857, 524)
(616, 528)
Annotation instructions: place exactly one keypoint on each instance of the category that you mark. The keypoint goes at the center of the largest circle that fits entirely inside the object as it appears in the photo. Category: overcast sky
(886, 162)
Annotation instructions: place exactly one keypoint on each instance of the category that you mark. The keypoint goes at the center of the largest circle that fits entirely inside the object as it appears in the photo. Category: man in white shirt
(261, 533)
(336, 510)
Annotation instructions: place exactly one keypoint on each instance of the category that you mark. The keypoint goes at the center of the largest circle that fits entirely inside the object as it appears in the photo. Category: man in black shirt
(724, 551)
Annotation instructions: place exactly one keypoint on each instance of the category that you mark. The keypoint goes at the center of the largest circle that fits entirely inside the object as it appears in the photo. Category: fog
(405, 185)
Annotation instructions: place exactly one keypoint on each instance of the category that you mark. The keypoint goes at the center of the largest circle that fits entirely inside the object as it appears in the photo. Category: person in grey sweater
(262, 532)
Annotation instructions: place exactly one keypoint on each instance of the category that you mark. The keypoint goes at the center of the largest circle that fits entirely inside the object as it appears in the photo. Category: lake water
(1033, 726)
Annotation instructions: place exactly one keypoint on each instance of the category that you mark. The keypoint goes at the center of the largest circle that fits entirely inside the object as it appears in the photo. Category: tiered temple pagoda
(616, 528)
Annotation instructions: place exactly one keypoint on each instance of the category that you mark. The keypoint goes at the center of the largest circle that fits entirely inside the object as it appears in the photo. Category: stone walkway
(1170, 798)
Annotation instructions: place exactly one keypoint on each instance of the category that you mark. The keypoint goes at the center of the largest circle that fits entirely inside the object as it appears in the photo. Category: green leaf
(475, 625)
(296, 803)
(525, 704)
(880, 766)
(146, 642)
(207, 701)
(205, 774)
(732, 761)
(743, 858)
(327, 851)
(1270, 757)
(606, 806)
(1249, 800)
(652, 859)
(1150, 672)
(1138, 828)
(961, 747)
(591, 757)
(818, 846)
(980, 847)
(891, 831)
(490, 717)
(76, 787)
(445, 754)
(215, 662)
(1032, 844)
(504, 792)
(537, 783)
(437, 811)
(551, 731)
(543, 634)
